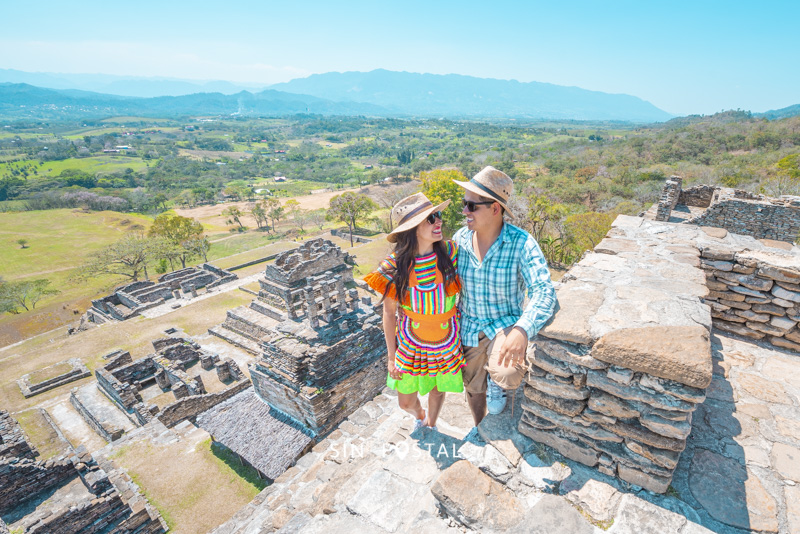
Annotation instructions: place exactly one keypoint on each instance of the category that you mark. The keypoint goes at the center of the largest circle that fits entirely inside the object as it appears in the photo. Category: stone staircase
(245, 328)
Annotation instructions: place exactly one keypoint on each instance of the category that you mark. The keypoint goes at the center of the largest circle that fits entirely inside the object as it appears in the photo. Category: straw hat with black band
(411, 211)
(491, 184)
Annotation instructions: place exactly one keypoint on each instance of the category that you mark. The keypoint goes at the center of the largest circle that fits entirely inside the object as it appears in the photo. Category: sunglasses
(471, 205)
(433, 216)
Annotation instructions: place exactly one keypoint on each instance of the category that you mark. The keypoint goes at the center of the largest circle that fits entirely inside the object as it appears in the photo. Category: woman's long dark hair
(405, 251)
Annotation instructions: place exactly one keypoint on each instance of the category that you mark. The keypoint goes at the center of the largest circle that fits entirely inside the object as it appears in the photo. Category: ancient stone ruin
(131, 299)
(737, 211)
(71, 370)
(122, 379)
(622, 366)
(68, 493)
(320, 351)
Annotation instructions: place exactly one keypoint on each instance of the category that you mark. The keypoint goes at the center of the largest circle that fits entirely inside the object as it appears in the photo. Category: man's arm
(541, 293)
(541, 303)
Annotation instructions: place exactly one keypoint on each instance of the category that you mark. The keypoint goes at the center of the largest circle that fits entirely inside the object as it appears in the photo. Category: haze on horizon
(684, 57)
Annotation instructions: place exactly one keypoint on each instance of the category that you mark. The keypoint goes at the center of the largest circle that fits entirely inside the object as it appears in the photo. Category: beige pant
(485, 358)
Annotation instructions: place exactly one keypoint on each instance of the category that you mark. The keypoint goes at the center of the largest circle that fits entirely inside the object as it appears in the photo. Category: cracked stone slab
(372, 500)
(637, 516)
(552, 515)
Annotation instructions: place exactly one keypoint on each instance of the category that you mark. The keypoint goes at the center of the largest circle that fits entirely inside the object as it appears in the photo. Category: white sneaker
(495, 397)
(417, 425)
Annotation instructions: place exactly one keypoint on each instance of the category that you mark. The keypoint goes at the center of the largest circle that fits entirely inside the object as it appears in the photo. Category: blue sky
(683, 56)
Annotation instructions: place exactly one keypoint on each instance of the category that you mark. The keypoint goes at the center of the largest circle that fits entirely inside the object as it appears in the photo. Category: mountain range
(379, 92)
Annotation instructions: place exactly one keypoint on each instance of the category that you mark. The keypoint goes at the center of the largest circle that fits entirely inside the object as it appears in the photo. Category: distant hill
(124, 85)
(454, 95)
(23, 101)
(783, 113)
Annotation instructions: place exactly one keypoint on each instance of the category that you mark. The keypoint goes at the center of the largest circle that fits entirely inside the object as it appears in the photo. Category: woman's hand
(394, 372)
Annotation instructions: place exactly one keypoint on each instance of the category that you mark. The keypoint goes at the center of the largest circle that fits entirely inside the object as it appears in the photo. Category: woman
(419, 285)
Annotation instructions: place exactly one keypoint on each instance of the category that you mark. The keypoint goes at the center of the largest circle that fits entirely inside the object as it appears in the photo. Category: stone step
(235, 339)
(248, 323)
(266, 309)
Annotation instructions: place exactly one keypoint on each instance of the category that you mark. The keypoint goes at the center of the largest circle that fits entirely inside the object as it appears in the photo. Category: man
(497, 262)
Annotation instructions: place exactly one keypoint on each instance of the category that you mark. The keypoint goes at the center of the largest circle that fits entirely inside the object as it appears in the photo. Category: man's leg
(474, 375)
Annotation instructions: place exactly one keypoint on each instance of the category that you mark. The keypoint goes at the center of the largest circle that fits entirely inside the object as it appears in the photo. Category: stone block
(637, 516)
(582, 299)
(738, 329)
(765, 328)
(552, 515)
(597, 379)
(786, 461)
(665, 427)
(648, 481)
(643, 435)
(785, 294)
(679, 353)
(611, 405)
(780, 274)
(566, 407)
(784, 323)
(571, 424)
(557, 389)
(661, 457)
(571, 449)
(474, 499)
(569, 353)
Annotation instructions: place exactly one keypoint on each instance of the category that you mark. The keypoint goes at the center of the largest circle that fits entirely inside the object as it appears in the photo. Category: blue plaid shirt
(493, 291)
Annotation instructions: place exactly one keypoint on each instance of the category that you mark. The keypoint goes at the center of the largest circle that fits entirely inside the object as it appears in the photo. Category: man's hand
(514, 347)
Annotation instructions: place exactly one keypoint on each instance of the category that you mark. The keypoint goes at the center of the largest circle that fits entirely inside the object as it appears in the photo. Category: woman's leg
(410, 403)
(435, 402)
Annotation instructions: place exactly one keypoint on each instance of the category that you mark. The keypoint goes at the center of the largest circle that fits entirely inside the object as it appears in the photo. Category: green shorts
(423, 384)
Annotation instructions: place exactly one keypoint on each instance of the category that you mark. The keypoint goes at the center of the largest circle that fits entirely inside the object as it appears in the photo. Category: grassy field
(59, 241)
(133, 335)
(252, 254)
(94, 165)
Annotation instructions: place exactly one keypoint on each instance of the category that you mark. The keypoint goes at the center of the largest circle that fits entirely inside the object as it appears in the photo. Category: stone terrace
(737, 473)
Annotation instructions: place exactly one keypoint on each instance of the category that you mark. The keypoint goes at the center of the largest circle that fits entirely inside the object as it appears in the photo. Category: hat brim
(472, 188)
(415, 221)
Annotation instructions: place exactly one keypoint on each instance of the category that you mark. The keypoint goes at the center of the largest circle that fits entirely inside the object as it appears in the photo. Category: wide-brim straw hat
(492, 184)
(411, 211)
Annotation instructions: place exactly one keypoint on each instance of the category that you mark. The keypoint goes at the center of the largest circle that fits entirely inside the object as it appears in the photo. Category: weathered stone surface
(769, 309)
(738, 329)
(474, 499)
(718, 233)
(597, 379)
(788, 427)
(620, 375)
(571, 424)
(749, 281)
(647, 481)
(732, 317)
(644, 435)
(785, 294)
(746, 292)
(501, 432)
(552, 515)
(792, 496)
(557, 389)
(569, 354)
(486, 458)
(637, 516)
(726, 295)
(717, 265)
(616, 246)
(782, 368)
(539, 474)
(562, 406)
(761, 388)
(782, 323)
(750, 315)
(596, 498)
(786, 460)
(682, 354)
(730, 493)
(793, 335)
(611, 406)
(717, 253)
(582, 299)
(542, 360)
(687, 393)
(715, 285)
(670, 429)
(570, 449)
(666, 459)
(783, 343)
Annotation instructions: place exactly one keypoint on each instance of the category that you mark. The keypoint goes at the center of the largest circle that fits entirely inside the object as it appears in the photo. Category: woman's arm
(390, 333)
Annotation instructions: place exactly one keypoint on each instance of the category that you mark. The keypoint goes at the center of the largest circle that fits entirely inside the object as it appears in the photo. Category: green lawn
(94, 165)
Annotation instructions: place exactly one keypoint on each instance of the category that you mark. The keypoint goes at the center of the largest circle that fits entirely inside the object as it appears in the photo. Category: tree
(23, 243)
(585, 230)
(785, 180)
(318, 218)
(392, 195)
(438, 186)
(177, 230)
(349, 207)
(199, 246)
(258, 213)
(14, 295)
(127, 257)
(274, 210)
(234, 215)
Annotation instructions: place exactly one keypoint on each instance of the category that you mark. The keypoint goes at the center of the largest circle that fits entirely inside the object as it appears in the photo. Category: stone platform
(739, 473)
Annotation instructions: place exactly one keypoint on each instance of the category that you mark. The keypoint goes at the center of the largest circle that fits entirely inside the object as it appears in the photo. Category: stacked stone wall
(107, 433)
(122, 383)
(13, 443)
(699, 196)
(755, 295)
(23, 479)
(669, 198)
(759, 218)
(78, 370)
(192, 406)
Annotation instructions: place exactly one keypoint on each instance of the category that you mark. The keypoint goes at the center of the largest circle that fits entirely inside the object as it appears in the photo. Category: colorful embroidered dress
(428, 338)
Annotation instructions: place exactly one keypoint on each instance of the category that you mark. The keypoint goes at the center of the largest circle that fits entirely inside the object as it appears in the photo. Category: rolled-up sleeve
(541, 293)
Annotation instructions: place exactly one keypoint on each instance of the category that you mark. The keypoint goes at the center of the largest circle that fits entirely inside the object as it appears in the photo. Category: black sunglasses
(470, 205)
(433, 216)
